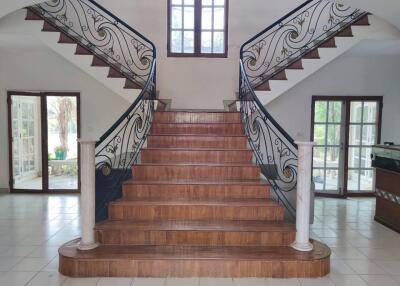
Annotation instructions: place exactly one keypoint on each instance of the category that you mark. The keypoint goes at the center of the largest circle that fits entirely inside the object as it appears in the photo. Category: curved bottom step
(191, 261)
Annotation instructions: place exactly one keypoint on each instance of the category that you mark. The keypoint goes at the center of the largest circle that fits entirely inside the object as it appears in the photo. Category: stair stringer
(377, 30)
(15, 23)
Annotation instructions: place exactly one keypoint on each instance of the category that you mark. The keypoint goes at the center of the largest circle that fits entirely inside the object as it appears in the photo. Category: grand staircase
(196, 206)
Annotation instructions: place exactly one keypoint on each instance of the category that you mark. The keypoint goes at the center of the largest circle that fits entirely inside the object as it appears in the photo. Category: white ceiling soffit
(9, 6)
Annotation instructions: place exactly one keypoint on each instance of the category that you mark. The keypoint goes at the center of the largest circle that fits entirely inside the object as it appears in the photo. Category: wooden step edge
(197, 123)
(193, 225)
(64, 39)
(32, 16)
(190, 261)
(261, 183)
(47, 27)
(192, 149)
(195, 164)
(195, 111)
(217, 203)
(195, 135)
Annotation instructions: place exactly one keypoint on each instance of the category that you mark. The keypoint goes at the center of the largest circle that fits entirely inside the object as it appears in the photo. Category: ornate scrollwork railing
(119, 148)
(267, 54)
(291, 37)
(104, 34)
(275, 151)
(129, 52)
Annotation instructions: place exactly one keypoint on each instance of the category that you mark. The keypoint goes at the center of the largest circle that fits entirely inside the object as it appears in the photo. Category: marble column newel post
(87, 202)
(302, 242)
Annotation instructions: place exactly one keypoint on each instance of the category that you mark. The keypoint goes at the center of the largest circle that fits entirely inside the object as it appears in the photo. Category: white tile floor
(33, 226)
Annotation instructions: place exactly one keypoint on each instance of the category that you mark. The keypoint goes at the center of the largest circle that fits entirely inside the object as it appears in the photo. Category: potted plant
(61, 152)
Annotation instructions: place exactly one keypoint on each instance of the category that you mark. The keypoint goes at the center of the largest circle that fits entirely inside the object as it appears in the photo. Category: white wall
(373, 75)
(193, 82)
(43, 70)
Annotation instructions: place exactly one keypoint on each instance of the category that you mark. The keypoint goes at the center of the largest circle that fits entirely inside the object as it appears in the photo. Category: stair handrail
(265, 55)
(98, 30)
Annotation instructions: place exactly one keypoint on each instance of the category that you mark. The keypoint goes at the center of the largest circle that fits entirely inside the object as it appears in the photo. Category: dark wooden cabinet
(387, 185)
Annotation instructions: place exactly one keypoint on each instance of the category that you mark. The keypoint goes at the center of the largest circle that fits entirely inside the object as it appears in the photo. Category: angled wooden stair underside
(196, 207)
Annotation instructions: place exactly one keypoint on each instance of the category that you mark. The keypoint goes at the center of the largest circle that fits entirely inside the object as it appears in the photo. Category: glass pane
(354, 134)
(26, 147)
(206, 19)
(189, 2)
(333, 137)
(319, 134)
(332, 180)
(318, 178)
(176, 41)
(352, 180)
(219, 18)
(366, 180)
(188, 42)
(176, 2)
(189, 18)
(354, 157)
(206, 2)
(368, 135)
(366, 161)
(218, 42)
(176, 19)
(370, 110)
(355, 111)
(320, 111)
(62, 142)
(332, 157)
(206, 42)
(219, 2)
(319, 157)
(335, 112)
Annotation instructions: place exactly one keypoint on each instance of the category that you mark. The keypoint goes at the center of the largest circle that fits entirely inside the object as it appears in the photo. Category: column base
(308, 246)
(87, 246)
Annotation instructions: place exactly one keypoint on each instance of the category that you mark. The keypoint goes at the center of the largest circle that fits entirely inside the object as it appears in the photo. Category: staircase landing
(196, 207)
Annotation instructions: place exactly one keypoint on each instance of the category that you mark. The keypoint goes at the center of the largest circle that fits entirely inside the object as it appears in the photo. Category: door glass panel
(26, 143)
(362, 135)
(62, 142)
(327, 152)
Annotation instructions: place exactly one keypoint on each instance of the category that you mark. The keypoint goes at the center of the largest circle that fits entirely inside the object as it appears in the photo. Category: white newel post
(302, 242)
(87, 194)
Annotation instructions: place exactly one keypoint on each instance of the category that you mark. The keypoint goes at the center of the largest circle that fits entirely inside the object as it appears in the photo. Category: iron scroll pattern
(119, 148)
(275, 151)
(102, 33)
(293, 36)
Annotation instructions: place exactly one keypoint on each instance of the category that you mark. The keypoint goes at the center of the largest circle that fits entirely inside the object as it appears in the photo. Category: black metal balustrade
(129, 52)
(102, 33)
(264, 56)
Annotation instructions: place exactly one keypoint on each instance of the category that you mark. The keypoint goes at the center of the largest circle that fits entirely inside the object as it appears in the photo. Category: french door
(43, 148)
(344, 130)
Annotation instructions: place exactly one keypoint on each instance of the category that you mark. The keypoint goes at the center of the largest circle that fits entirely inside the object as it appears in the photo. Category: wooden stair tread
(182, 225)
(195, 182)
(195, 135)
(177, 202)
(195, 149)
(265, 253)
(198, 164)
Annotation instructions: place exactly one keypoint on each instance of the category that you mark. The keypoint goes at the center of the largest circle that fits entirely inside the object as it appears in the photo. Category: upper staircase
(195, 206)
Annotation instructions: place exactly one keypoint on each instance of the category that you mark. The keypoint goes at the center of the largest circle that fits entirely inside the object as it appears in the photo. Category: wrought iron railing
(129, 52)
(102, 33)
(267, 54)
(291, 37)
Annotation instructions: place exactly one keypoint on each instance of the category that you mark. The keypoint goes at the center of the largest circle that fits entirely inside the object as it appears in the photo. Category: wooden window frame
(197, 34)
(347, 99)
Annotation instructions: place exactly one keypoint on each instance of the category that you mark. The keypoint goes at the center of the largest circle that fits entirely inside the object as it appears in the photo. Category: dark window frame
(347, 100)
(197, 34)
